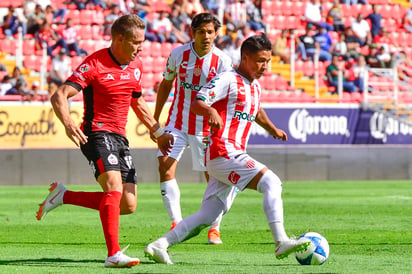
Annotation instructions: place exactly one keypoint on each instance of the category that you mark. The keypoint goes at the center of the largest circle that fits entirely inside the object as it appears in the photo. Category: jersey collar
(117, 62)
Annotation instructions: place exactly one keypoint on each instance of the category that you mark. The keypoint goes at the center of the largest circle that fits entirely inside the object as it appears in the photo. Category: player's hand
(280, 134)
(165, 143)
(214, 120)
(76, 135)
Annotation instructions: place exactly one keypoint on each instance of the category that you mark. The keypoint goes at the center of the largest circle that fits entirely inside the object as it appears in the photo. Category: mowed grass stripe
(368, 226)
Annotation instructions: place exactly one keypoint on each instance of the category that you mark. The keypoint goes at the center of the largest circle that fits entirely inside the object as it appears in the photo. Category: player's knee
(269, 181)
(129, 209)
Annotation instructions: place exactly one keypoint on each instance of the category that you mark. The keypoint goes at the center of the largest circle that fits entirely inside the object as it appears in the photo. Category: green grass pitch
(368, 226)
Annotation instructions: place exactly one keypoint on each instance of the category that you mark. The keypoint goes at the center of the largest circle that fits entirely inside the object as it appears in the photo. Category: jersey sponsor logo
(79, 75)
(239, 103)
(242, 90)
(184, 64)
(112, 159)
(84, 68)
(186, 85)
(211, 83)
(108, 77)
(244, 116)
(233, 177)
(212, 72)
(250, 164)
(197, 71)
(137, 74)
(125, 76)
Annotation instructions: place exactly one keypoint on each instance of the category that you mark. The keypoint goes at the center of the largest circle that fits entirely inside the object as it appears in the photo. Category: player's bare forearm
(161, 97)
(263, 120)
(200, 108)
(61, 109)
(142, 111)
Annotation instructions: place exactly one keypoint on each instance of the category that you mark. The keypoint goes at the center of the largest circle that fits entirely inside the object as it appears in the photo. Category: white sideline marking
(401, 197)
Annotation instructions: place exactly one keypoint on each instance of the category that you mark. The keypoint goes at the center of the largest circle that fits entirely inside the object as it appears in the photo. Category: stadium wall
(291, 163)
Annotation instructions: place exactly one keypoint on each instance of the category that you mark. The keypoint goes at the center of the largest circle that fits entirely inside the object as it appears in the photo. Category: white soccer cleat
(120, 260)
(284, 248)
(53, 200)
(157, 254)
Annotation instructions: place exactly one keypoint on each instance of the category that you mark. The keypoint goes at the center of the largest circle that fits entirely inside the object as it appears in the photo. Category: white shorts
(182, 140)
(228, 176)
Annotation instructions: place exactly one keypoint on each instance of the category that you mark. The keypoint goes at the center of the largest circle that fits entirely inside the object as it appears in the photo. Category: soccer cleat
(284, 248)
(53, 200)
(214, 237)
(157, 254)
(120, 260)
(174, 224)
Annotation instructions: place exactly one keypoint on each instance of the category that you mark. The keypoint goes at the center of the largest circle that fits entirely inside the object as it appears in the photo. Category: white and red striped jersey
(237, 101)
(192, 72)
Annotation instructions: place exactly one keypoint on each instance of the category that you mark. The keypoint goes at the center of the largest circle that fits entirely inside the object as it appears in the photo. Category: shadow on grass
(47, 261)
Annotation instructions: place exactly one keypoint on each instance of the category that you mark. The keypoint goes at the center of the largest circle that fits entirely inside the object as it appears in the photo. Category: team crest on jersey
(84, 68)
(233, 177)
(212, 95)
(137, 74)
(112, 159)
(197, 71)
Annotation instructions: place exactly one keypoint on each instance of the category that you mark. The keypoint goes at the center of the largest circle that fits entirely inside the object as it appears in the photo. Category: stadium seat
(87, 17)
(28, 47)
(147, 62)
(97, 33)
(166, 49)
(145, 50)
(147, 80)
(98, 18)
(88, 45)
(75, 62)
(32, 62)
(159, 64)
(85, 32)
(7, 45)
(155, 49)
(74, 15)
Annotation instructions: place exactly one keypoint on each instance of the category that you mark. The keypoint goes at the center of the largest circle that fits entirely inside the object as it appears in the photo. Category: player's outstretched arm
(199, 107)
(161, 97)
(61, 109)
(263, 120)
(165, 140)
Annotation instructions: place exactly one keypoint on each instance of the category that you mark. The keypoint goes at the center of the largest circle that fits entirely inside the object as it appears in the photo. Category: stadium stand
(277, 83)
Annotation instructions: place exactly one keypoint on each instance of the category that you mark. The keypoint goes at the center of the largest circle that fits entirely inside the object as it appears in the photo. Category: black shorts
(109, 151)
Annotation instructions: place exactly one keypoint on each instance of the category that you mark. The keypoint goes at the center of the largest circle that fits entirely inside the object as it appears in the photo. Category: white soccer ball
(317, 252)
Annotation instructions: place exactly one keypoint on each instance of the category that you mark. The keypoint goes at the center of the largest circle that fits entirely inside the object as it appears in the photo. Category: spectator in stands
(17, 78)
(335, 17)
(152, 92)
(254, 15)
(332, 73)
(232, 49)
(375, 19)
(371, 58)
(3, 68)
(404, 66)
(384, 57)
(313, 15)
(179, 26)
(354, 2)
(210, 6)
(308, 46)
(245, 32)
(35, 90)
(192, 7)
(12, 22)
(35, 19)
(110, 18)
(385, 40)
(162, 26)
(325, 43)
(139, 7)
(407, 20)
(59, 72)
(5, 85)
(352, 43)
(48, 37)
(235, 13)
(362, 30)
(80, 4)
(53, 13)
(352, 76)
(280, 47)
(71, 36)
(360, 68)
(340, 48)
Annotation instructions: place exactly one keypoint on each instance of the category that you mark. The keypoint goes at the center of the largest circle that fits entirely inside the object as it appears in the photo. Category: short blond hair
(126, 24)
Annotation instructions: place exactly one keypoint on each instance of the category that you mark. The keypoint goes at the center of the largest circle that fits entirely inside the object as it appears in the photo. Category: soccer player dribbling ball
(192, 65)
(231, 103)
(111, 82)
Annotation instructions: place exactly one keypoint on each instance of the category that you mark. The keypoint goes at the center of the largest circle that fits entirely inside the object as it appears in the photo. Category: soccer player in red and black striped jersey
(111, 82)
(231, 103)
(189, 66)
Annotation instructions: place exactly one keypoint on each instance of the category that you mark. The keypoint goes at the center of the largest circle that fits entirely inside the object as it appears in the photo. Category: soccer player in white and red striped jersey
(189, 66)
(231, 103)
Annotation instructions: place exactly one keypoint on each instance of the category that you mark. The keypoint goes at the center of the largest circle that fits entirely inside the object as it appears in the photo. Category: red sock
(85, 199)
(109, 216)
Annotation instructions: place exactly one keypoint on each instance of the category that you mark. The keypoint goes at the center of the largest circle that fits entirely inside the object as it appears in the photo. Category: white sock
(271, 187)
(216, 223)
(191, 226)
(171, 199)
